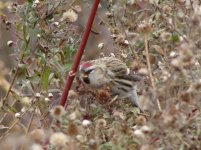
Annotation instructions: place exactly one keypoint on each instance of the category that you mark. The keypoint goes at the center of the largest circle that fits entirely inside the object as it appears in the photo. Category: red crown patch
(85, 65)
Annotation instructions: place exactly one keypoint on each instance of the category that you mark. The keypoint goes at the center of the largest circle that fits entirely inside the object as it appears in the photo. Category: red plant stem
(79, 53)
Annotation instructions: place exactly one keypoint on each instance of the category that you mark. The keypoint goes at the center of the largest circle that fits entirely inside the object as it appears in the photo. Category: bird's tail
(135, 100)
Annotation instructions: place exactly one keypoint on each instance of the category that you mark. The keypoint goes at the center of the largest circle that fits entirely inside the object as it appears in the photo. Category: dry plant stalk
(149, 68)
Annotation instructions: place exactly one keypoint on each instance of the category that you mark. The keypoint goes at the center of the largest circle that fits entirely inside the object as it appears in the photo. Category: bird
(114, 72)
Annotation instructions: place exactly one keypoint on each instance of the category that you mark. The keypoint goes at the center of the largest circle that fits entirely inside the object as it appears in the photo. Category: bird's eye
(88, 71)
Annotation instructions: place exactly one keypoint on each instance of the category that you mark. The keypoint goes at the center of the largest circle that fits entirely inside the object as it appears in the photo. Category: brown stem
(13, 125)
(28, 128)
(149, 67)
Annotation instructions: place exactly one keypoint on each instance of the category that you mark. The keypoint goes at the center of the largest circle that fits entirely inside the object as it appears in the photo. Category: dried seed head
(101, 123)
(70, 15)
(81, 138)
(26, 101)
(23, 109)
(114, 30)
(146, 129)
(144, 27)
(100, 45)
(36, 1)
(38, 135)
(109, 14)
(168, 120)
(72, 116)
(167, 9)
(143, 71)
(72, 129)
(47, 99)
(196, 20)
(119, 115)
(50, 95)
(36, 147)
(185, 97)
(165, 36)
(185, 53)
(112, 55)
(38, 35)
(140, 120)
(77, 8)
(10, 43)
(86, 123)
(57, 112)
(72, 95)
(197, 85)
(173, 54)
(146, 147)
(135, 66)
(124, 55)
(176, 63)
(120, 38)
(126, 42)
(17, 115)
(139, 133)
(59, 139)
(37, 95)
(103, 96)
(93, 144)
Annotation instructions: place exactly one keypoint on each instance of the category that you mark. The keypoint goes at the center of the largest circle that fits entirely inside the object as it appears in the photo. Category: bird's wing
(131, 77)
(116, 66)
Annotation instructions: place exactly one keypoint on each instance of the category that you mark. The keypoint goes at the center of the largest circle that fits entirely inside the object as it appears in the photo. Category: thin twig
(28, 128)
(149, 67)
(11, 85)
(172, 26)
(13, 125)
(13, 80)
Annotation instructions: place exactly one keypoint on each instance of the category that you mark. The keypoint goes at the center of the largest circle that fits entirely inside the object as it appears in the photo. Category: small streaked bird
(111, 71)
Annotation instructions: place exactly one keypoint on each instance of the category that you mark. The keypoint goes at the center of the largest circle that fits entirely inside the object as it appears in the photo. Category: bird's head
(85, 69)
(93, 73)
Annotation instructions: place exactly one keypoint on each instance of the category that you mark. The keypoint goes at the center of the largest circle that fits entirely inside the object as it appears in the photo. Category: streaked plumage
(112, 71)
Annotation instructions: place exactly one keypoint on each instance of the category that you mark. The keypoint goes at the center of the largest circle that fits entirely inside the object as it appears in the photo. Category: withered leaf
(158, 49)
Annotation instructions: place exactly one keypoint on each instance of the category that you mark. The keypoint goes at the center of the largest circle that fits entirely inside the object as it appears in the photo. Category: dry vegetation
(159, 39)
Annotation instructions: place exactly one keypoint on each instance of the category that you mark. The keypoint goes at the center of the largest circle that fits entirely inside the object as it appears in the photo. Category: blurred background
(98, 35)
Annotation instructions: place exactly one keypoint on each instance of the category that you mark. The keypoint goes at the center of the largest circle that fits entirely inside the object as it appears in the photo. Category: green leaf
(18, 26)
(175, 38)
(69, 51)
(181, 147)
(45, 79)
(40, 57)
(109, 146)
(25, 32)
(30, 2)
(68, 66)
(34, 79)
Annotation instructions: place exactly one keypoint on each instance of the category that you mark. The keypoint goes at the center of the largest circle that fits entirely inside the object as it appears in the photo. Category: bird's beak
(84, 77)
